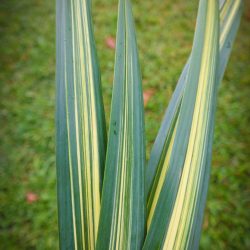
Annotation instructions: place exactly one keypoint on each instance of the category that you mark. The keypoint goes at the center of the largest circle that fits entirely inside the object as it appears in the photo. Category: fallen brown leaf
(147, 94)
(110, 42)
(31, 197)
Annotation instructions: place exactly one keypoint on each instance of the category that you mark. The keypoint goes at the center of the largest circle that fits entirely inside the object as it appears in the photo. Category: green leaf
(229, 27)
(81, 132)
(122, 220)
(171, 218)
(157, 167)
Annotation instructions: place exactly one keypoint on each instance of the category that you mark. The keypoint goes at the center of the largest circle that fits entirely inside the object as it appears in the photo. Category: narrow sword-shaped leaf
(80, 122)
(190, 131)
(122, 220)
(180, 234)
(158, 163)
(202, 187)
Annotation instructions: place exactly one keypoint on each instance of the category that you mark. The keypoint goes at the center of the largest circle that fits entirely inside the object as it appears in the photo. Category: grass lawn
(28, 212)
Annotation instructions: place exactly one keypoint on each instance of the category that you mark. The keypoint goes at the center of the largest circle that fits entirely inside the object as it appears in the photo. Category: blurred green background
(28, 212)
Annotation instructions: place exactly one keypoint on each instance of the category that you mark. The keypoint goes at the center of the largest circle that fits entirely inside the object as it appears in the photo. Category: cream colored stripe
(86, 126)
(76, 31)
(94, 123)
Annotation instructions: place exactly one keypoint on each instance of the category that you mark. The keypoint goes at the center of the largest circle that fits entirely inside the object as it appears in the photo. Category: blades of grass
(122, 220)
(158, 162)
(190, 140)
(81, 132)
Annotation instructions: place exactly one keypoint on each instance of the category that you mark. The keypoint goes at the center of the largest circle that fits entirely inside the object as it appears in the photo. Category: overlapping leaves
(108, 210)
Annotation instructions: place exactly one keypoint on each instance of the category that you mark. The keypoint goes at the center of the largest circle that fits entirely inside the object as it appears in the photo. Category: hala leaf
(230, 15)
(122, 220)
(168, 229)
(158, 163)
(81, 132)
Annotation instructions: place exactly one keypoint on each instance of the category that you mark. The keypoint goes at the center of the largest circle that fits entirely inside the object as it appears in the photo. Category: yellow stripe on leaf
(81, 131)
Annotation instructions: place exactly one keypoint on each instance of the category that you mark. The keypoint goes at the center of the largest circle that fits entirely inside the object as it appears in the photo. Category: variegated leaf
(81, 132)
(169, 221)
(122, 220)
(157, 167)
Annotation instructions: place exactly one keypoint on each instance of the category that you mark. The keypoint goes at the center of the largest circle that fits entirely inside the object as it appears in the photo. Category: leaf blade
(229, 19)
(122, 221)
(81, 132)
(156, 237)
(160, 147)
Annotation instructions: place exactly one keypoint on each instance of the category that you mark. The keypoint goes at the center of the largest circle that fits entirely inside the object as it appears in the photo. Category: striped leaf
(159, 160)
(229, 28)
(81, 132)
(171, 219)
(122, 219)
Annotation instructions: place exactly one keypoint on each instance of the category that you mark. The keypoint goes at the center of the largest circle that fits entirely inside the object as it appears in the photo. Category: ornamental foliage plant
(108, 196)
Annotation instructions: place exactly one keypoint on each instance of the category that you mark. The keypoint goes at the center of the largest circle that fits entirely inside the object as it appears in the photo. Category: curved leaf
(188, 157)
(158, 163)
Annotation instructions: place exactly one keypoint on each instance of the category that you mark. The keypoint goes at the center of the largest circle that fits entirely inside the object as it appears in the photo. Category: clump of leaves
(108, 197)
